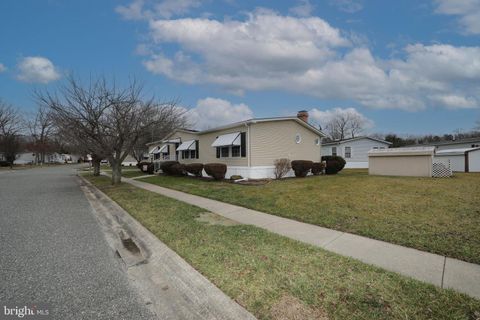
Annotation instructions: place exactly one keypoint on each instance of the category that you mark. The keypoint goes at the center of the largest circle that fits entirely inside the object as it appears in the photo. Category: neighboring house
(248, 148)
(26, 157)
(456, 144)
(354, 150)
(129, 161)
(461, 159)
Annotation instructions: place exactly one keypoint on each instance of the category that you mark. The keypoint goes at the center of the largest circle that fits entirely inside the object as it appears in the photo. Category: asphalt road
(52, 250)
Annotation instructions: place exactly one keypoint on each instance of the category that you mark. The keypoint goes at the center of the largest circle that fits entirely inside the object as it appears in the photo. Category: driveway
(52, 250)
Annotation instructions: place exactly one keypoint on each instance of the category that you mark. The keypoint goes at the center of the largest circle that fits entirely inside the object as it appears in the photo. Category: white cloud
(349, 6)
(37, 69)
(133, 11)
(214, 112)
(308, 56)
(2, 68)
(303, 9)
(322, 117)
(149, 9)
(468, 12)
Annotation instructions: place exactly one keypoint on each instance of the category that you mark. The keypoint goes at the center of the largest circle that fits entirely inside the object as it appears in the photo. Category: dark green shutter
(218, 152)
(243, 144)
(196, 148)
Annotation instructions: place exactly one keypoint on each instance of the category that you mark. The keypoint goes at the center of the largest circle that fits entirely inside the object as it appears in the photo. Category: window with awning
(230, 139)
(187, 145)
(155, 150)
(163, 149)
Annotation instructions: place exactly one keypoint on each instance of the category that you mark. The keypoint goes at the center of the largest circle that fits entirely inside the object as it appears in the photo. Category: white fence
(441, 168)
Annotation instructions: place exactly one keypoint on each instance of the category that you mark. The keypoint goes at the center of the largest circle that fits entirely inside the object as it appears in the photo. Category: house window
(193, 154)
(334, 151)
(317, 141)
(224, 152)
(235, 151)
(348, 152)
(156, 156)
(298, 138)
(185, 154)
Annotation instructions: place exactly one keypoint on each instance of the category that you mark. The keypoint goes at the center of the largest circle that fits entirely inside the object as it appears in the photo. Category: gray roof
(245, 122)
(337, 142)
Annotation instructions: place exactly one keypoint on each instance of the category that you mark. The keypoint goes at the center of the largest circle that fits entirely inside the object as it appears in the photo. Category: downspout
(249, 154)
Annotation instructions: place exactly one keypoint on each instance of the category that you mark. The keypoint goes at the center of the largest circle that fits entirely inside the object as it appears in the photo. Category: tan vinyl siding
(207, 152)
(414, 166)
(276, 139)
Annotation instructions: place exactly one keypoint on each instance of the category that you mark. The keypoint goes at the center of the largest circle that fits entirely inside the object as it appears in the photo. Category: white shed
(461, 159)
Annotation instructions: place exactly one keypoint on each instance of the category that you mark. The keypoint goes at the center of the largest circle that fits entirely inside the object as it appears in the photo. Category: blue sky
(409, 67)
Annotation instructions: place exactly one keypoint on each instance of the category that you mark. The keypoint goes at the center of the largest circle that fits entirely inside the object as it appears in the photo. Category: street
(53, 252)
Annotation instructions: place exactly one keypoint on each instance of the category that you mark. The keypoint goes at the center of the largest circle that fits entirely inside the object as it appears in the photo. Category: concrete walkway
(424, 266)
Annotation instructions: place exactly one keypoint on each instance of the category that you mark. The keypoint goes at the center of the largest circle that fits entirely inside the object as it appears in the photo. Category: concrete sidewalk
(424, 266)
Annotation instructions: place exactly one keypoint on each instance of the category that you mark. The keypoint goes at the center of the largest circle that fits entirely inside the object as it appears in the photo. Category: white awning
(163, 149)
(231, 139)
(155, 150)
(187, 145)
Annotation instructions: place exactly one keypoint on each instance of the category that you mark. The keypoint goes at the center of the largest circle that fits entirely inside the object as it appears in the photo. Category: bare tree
(104, 119)
(41, 129)
(345, 124)
(169, 118)
(11, 126)
(338, 126)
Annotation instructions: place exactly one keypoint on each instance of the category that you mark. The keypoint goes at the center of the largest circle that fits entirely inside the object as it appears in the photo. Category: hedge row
(174, 168)
(331, 164)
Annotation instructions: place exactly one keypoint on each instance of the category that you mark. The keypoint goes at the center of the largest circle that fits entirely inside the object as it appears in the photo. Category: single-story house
(248, 148)
(456, 144)
(461, 159)
(26, 157)
(354, 150)
(414, 161)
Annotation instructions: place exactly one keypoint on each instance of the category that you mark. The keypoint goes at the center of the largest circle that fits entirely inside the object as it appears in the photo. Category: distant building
(354, 150)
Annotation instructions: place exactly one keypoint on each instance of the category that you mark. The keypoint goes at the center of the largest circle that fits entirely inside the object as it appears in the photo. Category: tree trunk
(116, 171)
(96, 165)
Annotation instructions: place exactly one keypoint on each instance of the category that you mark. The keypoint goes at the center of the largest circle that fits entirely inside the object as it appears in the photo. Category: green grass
(133, 173)
(259, 269)
(436, 215)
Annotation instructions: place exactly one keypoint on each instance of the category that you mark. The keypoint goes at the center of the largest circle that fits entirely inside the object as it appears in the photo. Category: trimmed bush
(146, 167)
(178, 169)
(216, 170)
(301, 167)
(166, 167)
(195, 169)
(317, 168)
(4, 163)
(335, 164)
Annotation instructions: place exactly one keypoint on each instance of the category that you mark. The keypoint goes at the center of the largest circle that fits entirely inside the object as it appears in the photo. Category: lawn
(128, 172)
(437, 215)
(274, 277)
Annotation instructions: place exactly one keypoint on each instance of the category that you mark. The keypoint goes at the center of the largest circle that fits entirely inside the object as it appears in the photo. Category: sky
(405, 67)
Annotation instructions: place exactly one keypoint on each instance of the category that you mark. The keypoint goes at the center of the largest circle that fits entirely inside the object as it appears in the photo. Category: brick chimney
(303, 115)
